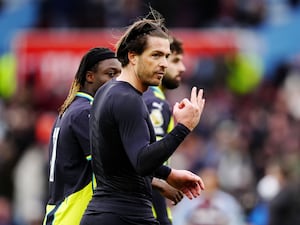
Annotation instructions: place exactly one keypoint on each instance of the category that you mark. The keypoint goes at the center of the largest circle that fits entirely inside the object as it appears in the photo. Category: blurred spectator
(267, 189)
(214, 207)
(227, 151)
(74, 13)
(285, 206)
(120, 13)
(20, 117)
(6, 217)
(7, 162)
(190, 13)
(30, 179)
(291, 92)
(235, 169)
(188, 152)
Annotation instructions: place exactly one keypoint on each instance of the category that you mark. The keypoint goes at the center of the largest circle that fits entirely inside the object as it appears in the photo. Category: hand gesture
(187, 182)
(188, 112)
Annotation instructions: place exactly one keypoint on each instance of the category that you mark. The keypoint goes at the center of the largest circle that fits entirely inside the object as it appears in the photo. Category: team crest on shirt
(156, 117)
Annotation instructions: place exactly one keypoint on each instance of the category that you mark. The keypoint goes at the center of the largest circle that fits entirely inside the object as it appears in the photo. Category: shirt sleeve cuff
(163, 172)
(180, 131)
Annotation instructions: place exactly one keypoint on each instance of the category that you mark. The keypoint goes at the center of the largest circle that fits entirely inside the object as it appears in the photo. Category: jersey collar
(85, 95)
(158, 92)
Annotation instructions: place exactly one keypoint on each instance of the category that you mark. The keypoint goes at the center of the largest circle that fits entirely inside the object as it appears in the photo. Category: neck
(88, 91)
(129, 75)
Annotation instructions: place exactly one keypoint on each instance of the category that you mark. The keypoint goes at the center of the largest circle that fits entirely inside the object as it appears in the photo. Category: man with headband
(125, 153)
(70, 173)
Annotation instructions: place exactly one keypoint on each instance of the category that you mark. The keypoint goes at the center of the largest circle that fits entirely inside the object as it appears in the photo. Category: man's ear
(132, 57)
(89, 77)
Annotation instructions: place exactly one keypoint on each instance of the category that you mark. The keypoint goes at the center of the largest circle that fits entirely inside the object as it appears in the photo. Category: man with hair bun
(125, 153)
(70, 171)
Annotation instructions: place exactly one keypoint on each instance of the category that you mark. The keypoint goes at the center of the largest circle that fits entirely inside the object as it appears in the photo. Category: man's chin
(156, 82)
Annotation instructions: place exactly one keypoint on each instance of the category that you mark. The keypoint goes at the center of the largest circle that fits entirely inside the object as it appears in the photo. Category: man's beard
(169, 83)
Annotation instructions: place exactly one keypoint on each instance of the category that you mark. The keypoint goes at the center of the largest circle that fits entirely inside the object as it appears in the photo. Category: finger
(177, 200)
(178, 197)
(198, 180)
(200, 97)
(202, 104)
(201, 184)
(181, 195)
(187, 193)
(181, 105)
(195, 189)
(194, 95)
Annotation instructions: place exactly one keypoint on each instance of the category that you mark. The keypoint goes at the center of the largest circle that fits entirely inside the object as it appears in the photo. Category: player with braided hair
(70, 172)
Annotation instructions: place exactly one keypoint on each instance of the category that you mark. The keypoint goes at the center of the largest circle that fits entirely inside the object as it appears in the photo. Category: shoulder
(79, 109)
(124, 93)
(114, 90)
(117, 97)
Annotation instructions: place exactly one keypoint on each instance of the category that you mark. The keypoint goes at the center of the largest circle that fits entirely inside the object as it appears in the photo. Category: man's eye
(111, 73)
(156, 55)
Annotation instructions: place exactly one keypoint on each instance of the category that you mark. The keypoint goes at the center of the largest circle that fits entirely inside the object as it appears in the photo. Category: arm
(167, 190)
(137, 132)
(138, 137)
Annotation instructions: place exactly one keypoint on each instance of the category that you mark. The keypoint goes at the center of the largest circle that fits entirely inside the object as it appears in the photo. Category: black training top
(124, 155)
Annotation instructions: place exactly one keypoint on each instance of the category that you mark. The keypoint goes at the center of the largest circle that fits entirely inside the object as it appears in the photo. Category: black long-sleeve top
(125, 155)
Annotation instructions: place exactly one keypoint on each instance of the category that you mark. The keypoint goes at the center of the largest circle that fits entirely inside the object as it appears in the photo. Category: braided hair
(89, 62)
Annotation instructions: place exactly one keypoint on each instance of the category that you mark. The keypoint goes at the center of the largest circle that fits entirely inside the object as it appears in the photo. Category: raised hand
(188, 112)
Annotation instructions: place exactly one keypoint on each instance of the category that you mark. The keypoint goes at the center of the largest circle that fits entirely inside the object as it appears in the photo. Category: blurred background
(246, 56)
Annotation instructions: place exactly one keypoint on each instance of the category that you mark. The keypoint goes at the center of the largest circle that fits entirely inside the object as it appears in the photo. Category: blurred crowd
(251, 142)
(188, 13)
(246, 148)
